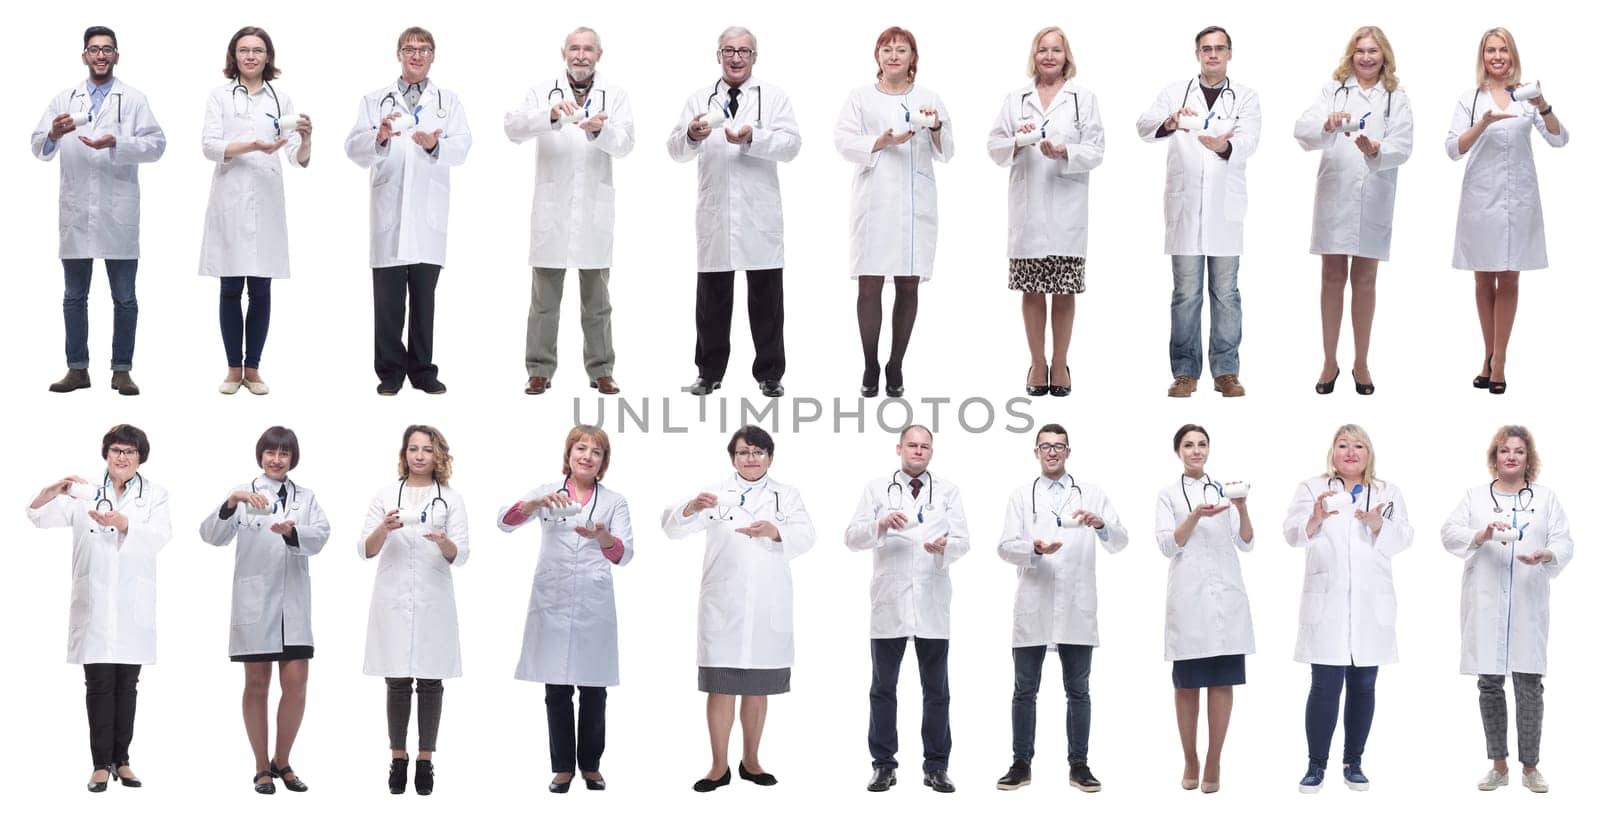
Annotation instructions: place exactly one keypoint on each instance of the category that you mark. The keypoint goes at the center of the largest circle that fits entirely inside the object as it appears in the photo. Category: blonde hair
(1530, 466)
(1515, 77)
(593, 434)
(1352, 431)
(1071, 69)
(441, 453)
(1347, 66)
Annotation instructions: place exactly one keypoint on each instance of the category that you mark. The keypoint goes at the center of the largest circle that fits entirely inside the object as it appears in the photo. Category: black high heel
(709, 784)
(869, 382)
(126, 782)
(424, 780)
(1036, 390)
(560, 787)
(1497, 388)
(1483, 381)
(1063, 390)
(397, 774)
(264, 789)
(594, 783)
(296, 784)
(1326, 388)
(100, 786)
(894, 382)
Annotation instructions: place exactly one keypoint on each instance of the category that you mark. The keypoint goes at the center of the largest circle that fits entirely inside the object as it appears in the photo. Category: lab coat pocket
(1085, 597)
(1233, 206)
(249, 594)
(125, 208)
(782, 617)
(1383, 609)
(887, 589)
(1313, 597)
(144, 603)
(385, 205)
(544, 222)
(1379, 199)
(438, 205)
(1027, 602)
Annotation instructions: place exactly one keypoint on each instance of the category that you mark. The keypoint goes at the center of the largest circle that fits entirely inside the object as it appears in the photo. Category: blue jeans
(1322, 710)
(1029, 666)
(1188, 273)
(933, 664)
(124, 312)
(245, 334)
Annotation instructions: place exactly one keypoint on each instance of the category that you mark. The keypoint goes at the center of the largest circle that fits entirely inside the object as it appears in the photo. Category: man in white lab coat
(1211, 126)
(114, 132)
(581, 122)
(915, 527)
(409, 133)
(739, 129)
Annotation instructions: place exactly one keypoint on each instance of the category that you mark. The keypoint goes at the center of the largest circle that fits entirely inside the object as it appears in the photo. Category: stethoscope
(725, 514)
(244, 112)
(427, 510)
(1472, 115)
(594, 501)
(557, 94)
(1077, 119)
(712, 100)
(103, 497)
(1066, 498)
(896, 494)
(391, 103)
(1522, 502)
(278, 504)
(83, 106)
(1208, 489)
(1358, 490)
(1227, 88)
(1388, 102)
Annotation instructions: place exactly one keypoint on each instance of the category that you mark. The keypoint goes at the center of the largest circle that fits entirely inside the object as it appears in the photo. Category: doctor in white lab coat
(570, 641)
(754, 527)
(915, 526)
(1500, 224)
(409, 133)
(1049, 134)
(738, 219)
(1514, 537)
(419, 525)
(277, 529)
(118, 526)
(246, 240)
(102, 130)
(1353, 217)
(581, 121)
(1052, 527)
(892, 132)
(1208, 629)
(1351, 525)
(1205, 207)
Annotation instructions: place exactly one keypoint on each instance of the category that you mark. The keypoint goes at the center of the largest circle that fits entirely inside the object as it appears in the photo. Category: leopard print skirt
(1049, 275)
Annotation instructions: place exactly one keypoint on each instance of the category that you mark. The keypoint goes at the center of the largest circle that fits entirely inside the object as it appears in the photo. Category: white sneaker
(1494, 780)
(1534, 780)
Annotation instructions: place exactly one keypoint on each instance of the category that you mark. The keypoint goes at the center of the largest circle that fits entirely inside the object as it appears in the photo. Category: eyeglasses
(124, 452)
(753, 453)
(251, 52)
(100, 51)
(1052, 447)
(417, 51)
(730, 51)
(1210, 50)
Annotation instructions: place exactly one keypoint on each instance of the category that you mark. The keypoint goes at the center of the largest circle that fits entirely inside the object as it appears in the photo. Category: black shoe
(1497, 388)
(1081, 778)
(1020, 775)
(1036, 390)
(560, 787)
(122, 382)
(882, 779)
(1326, 388)
(771, 387)
(894, 381)
(702, 386)
(1366, 388)
(389, 387)
(895, 391)
(869, 381)
(292, 784)
(1483, 381)
(709, 784)
(939, 780)
(100, 786)
(397, 775)
(760, 779)
(594, 783)
(75, 379)
(1063, 390)
(126, 782)
(267, 788)
(869, 391)
(432, 387)
(424, 780)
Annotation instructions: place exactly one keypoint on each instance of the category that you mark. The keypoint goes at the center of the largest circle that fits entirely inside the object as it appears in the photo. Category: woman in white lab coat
(570, 640)
(1351, 525)
(1514, 537)
(246, 239)
(1361, 122)
(1500, 226)
(1201, 526)
(1049, 134)
(419, 525)
(754, 526)
(279, 527)
(118, 527)
(892, 131)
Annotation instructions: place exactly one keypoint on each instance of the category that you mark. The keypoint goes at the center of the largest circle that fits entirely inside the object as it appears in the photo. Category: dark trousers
(1322, 710)
(430, 702)
(244, 334)
(1529, 688)
(933, 664)
(713, 320)
(111, 693)
(583, 751)
(392, 359)
(1028, 663)
(124, 310)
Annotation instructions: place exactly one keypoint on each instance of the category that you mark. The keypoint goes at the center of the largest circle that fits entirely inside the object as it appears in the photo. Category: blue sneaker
(1355, 779)
(1312, 782)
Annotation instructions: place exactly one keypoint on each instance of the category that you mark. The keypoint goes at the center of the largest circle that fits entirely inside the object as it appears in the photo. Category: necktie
(916, 487)
(733, 102)
(283, 494)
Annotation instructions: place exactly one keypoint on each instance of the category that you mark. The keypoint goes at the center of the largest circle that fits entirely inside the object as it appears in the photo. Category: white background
(1430, 428)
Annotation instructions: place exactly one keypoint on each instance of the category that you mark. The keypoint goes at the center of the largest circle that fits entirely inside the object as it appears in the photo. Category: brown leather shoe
(1228, 385)
(122, 382)
(537, 385)
(605, 385)
(76, 378)
(1183, 386)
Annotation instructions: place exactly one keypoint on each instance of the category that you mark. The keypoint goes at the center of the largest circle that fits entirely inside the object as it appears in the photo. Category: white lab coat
(746, 616)
(571, 633)
(411, 626)
(1205, 194)
(1347, 603)
(1354, 210)
(894, 203)
(112, 619)
(1505, 604)
(1048, 199)
(910, 586)
(738, 218)
(1500, 224)
(247, 224)
(99, 216)
(574, 199)
(271, 578)
(1057, 600)
(410, 204)
(1208, 612)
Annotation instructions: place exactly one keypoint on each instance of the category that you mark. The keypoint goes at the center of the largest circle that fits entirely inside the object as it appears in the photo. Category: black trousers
(567, 753)
(111, 694)
(393, 359)
(713, 320)
(883, 737)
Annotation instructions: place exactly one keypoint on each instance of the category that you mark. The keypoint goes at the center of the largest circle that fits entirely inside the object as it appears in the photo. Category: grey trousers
(544, 321)
(430, 702)
(1529, 689)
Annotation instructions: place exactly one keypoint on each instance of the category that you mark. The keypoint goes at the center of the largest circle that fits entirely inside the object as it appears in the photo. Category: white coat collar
(1030, 97)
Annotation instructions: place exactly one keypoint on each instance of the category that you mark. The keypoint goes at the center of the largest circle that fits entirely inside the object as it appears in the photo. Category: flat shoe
(257, 388)
(264, 789)
(229, 387)
(709, 784)
(760, 779)
(594, 783)
(559, 787)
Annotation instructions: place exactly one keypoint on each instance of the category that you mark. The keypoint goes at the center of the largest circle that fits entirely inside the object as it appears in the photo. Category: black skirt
(290, 652)
(1213, 671)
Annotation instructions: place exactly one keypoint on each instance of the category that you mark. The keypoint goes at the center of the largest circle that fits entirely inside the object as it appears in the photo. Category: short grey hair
(736, 31)
(582, 30)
